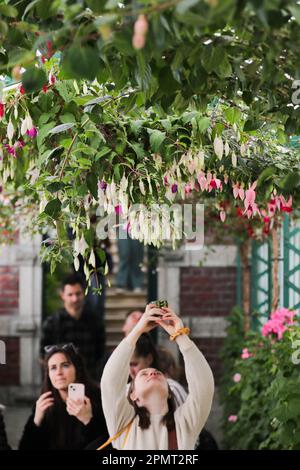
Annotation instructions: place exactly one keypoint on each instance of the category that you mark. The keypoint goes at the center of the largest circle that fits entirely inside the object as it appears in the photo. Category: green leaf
(92, 184)
(62, 128)
(20, 56)
(100, 99)
(252, 125)
(55, 186)
(233, 115)
(81, 62)
(290, 182)
(185, 5)
(53, 208)
(104, 151)
(8, 10)
(156, 139)
(33, 79)
(67, 118)
(203, 124)
(266, 174)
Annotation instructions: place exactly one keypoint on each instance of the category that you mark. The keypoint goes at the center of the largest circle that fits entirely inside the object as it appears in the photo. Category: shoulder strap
(118, 434)
(172, 439)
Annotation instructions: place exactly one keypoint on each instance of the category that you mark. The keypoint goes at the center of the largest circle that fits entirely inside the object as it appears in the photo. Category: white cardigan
(189, 417)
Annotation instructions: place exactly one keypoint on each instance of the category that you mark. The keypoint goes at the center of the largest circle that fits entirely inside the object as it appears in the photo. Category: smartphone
(160, 303)
(76, 391)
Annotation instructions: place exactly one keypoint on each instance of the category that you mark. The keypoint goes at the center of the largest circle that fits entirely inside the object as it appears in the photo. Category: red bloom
(45, 88)
(239, 212)
(22, 90)
(2, 110)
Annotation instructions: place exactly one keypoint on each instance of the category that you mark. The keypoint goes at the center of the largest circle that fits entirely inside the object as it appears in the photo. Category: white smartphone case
(76, 391)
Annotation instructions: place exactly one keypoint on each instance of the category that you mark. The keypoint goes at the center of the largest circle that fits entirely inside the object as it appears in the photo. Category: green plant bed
(260, 390)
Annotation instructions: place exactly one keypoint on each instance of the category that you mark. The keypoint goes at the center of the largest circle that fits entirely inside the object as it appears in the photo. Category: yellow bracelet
(182, 331)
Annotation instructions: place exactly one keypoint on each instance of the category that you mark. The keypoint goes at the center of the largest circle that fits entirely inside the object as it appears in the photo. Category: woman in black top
(57, 422)
(3, 438)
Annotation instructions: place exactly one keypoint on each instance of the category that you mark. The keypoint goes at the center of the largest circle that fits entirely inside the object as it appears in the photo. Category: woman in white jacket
(148, 418)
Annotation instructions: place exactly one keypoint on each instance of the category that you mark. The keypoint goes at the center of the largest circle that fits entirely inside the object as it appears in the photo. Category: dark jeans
(131, 254)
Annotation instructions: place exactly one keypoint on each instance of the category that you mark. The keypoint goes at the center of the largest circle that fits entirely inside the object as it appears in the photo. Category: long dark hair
(144, 415)
(56, 418)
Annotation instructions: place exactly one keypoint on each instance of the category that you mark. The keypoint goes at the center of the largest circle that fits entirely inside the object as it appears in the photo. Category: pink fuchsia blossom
(238, 191)
(188, 188)
(32, 132)
(286, 206)
(237, 378)
(118, 209)
(2, 110)
(215, 183)
(222, 215)
(11, 150)
(249, 201)
(202, 181)
(232, 418)
(245, 354)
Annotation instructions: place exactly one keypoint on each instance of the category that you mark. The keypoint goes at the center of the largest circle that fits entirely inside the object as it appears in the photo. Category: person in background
(3, 437)
(57, 421)
(132, 317)
(76, 323)
(131, 252)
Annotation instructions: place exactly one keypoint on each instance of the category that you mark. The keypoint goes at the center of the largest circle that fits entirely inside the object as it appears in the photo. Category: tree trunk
(275, 292)
(245, 250)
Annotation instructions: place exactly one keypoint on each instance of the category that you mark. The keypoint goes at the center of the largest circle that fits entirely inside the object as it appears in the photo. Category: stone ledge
(14, 325)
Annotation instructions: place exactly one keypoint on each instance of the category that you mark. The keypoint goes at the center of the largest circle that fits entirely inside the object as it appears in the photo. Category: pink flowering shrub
(278, 322)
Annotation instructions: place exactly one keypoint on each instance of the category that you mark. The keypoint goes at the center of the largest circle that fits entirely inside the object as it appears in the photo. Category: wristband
(182, 331)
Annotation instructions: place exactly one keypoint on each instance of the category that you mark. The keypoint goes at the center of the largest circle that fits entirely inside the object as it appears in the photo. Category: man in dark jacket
(76, 323)
(3, 438)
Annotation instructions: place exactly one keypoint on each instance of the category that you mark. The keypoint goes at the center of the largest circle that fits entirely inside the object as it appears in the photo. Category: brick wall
(208, 292)
(9, 290)
(10, 372)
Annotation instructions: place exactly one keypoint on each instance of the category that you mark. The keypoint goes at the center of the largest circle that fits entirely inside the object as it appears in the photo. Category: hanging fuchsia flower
(52, 79)
(22, 90)
(202, 181)
(32, 132)
(174, 188)
(286, 206)
(20, 143)
(166, 181)
(222, 215)
(215, 183)
(118, 209)
(238, 191)
(249, 201)
(2, 110)
(103, 185)
(11, 150)
(188, 188)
